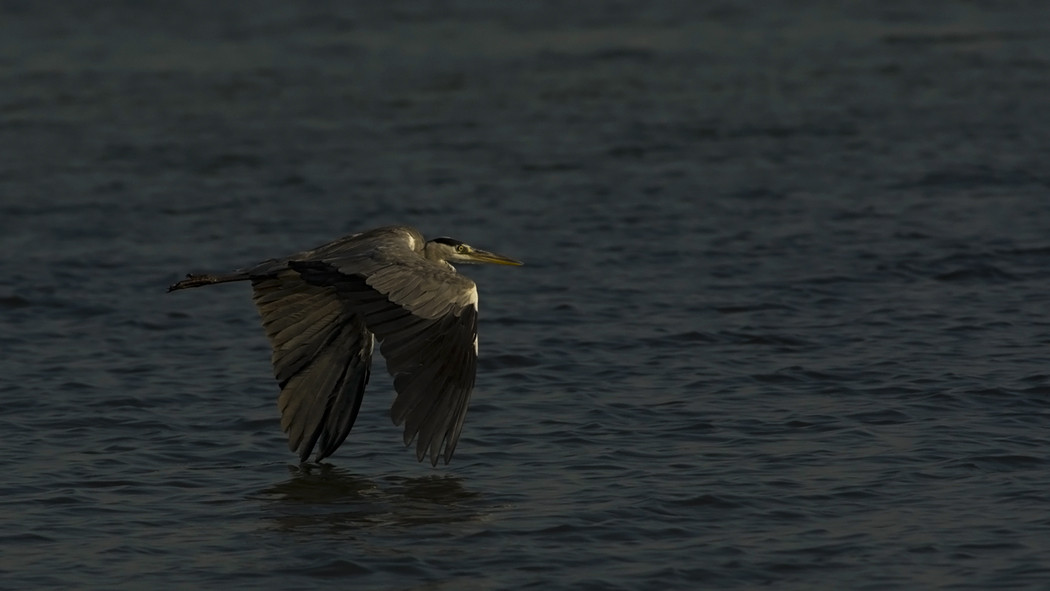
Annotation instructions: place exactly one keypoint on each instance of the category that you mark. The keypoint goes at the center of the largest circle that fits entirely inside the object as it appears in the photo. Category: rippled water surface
(783, 322)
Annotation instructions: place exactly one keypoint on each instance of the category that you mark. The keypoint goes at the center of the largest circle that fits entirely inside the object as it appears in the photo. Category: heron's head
(450, 250)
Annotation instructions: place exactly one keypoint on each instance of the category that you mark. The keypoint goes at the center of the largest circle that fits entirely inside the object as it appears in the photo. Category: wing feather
(304, 400)
(347, 402)
(305, 312)
(322, 351)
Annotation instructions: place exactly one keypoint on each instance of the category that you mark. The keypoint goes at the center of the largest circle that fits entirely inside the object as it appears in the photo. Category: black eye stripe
(447, 240)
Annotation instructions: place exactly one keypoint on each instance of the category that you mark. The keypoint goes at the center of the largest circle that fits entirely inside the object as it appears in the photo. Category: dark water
(783, 322)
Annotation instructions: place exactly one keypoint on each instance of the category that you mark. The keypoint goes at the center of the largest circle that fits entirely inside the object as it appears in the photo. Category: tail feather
(192, 280)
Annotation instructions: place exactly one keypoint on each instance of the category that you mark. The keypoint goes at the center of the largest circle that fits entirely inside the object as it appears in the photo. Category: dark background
(783, 319)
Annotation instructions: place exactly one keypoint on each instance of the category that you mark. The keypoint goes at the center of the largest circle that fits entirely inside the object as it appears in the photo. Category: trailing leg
(192, 280)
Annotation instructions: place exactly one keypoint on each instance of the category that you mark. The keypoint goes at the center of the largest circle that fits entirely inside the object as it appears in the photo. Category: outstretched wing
(425, 317)
(322, 353)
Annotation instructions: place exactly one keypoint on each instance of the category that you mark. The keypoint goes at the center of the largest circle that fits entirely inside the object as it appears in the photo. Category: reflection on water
(322, 498)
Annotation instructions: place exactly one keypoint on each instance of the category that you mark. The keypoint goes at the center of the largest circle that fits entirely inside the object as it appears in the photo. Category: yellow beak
(484, 256)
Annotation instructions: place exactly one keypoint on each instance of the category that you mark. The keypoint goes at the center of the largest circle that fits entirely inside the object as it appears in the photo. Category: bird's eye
(461, 249)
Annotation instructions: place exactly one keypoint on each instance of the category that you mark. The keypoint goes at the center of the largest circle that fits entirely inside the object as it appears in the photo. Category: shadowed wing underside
(320, 309)
(322, 355)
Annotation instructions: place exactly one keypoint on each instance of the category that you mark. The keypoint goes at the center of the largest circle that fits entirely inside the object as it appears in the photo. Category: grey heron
(323, 310)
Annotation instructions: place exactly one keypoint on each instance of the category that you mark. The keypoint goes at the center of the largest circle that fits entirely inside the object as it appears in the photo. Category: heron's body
(323, 310)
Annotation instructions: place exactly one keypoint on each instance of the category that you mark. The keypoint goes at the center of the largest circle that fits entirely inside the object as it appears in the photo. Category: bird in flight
(323, 310)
